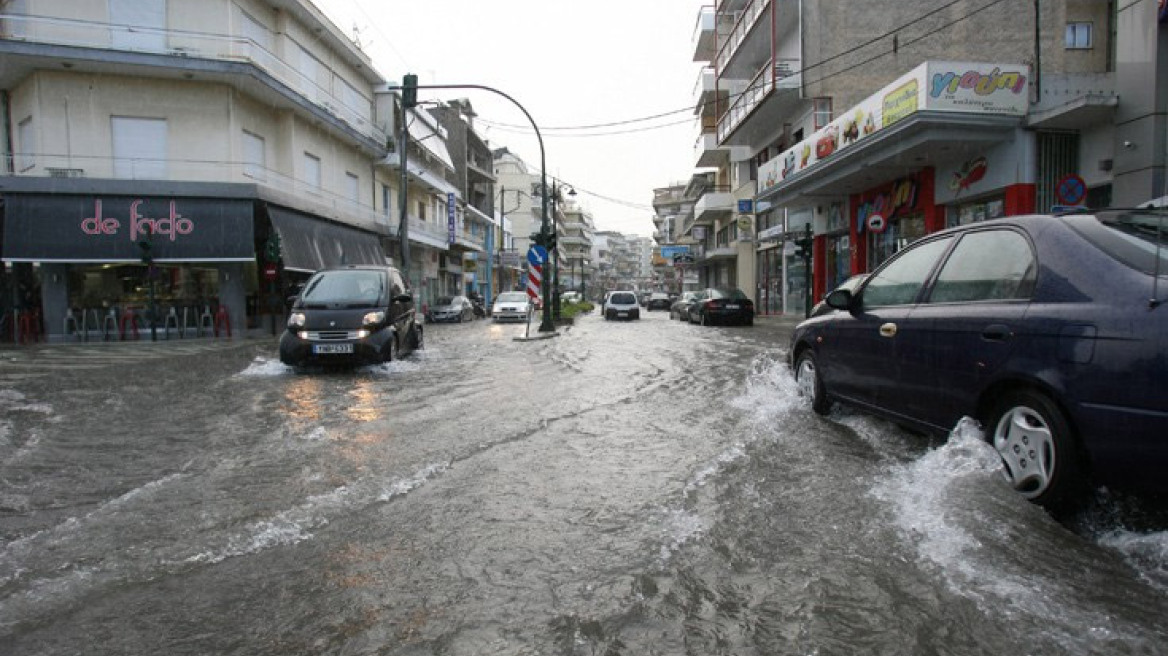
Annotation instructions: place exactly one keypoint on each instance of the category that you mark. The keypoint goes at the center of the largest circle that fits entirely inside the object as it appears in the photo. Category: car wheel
(391, 352)
(705, 320)
(810, 384)
(750, 321)
(1040, 456)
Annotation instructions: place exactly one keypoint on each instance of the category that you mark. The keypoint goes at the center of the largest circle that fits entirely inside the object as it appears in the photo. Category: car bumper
(622, 314)
(509, 316)
(298, 351)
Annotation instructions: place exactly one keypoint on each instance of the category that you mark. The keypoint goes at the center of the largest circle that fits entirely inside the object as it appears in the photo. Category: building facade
(933, 118)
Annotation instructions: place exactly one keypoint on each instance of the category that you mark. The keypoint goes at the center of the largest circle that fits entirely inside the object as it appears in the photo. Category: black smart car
(351, 316)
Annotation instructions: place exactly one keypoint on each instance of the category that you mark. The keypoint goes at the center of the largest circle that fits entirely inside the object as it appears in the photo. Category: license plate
(332, 348)
(731, 307)
(622, 314)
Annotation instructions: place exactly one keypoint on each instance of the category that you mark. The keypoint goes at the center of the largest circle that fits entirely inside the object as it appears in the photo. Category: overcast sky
(569, 63)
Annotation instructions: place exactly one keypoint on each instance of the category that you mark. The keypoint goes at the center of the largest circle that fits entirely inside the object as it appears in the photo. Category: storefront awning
(96, 228)
(310, 244)
(914, 143)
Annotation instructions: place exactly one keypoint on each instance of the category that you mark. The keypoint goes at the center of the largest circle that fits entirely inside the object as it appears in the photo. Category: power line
(547, 129)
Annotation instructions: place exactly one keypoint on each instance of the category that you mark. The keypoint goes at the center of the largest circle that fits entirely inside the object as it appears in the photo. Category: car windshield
(1138, 238)
(352, 288)
(444, 300)
(512, 297)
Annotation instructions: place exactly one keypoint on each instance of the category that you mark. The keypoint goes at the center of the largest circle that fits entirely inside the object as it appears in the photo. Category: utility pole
(409, 100)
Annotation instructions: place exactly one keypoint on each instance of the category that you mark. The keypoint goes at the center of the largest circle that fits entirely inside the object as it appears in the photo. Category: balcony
(775, 91)
(29, 43)
(704, 39)
(717, 202)
(743, 36)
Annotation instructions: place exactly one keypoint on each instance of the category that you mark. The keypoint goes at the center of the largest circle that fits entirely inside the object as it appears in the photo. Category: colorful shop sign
(976, 88)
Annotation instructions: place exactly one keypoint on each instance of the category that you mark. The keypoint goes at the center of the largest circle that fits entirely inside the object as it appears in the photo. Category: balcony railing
(764, 82)
(745, 22)
(190, 45)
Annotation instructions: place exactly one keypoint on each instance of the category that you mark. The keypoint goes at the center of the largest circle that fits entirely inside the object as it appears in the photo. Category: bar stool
(206, 322)
(71, 320)
(109, 326)
(171, 317)
(87, 325)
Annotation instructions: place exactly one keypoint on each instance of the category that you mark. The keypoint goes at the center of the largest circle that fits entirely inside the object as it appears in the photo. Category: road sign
(1071, 190)
(536, 256)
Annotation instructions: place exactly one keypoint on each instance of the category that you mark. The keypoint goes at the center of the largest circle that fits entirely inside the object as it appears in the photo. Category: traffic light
(146, 251)
(803, 248)
(409, 90)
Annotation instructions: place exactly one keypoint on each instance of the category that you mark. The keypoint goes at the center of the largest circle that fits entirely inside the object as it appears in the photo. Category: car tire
(750, 321)
(705, 320)
(810, 383)
(391, 350)
(1040, 454)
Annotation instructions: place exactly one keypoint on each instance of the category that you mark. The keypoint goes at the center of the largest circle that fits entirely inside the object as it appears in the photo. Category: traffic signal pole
(408, 90)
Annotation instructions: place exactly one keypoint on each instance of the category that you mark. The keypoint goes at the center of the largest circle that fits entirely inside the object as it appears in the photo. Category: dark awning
(87, 228)
(310, 244)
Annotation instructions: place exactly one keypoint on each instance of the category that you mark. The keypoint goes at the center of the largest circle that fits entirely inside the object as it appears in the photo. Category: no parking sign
(1071, 190)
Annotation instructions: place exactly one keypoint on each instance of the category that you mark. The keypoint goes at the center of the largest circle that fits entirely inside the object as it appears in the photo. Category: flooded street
(650, 487)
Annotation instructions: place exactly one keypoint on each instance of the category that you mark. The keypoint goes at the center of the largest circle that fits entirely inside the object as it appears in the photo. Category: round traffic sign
(1070, 190)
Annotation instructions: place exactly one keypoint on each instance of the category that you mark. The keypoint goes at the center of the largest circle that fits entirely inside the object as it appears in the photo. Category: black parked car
(680, 307)
(721, 305)
(1051, 331)
(349, 316)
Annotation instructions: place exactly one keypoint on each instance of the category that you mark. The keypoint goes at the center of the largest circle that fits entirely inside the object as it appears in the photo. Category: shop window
(312, 170)
(822, 112)
(1079, 36)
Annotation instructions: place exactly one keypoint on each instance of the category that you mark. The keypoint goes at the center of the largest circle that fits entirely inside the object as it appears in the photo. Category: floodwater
(636, 488)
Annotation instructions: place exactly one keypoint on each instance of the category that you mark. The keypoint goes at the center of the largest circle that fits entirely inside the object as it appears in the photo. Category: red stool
(222, 319)
(129, 319)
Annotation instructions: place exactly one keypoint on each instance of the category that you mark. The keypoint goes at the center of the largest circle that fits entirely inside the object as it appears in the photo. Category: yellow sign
(900, 102)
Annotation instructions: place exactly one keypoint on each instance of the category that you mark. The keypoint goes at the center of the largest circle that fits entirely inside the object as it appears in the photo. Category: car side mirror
(403, 298)
(291, 300)
(840, 299)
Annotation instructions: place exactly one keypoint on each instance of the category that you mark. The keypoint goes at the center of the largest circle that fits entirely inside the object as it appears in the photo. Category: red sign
(877, 223)
(270, 271)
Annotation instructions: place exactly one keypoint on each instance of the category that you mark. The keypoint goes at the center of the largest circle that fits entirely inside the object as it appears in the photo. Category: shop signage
(971, 172)
(773, 233)
(976, 88)
(451, 226)
(898, 198)
(745, 206)
(64, 228)
(744, 224)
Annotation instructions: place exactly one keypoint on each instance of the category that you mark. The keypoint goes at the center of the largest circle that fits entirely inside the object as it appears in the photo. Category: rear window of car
(1137, 238)
(623, 299)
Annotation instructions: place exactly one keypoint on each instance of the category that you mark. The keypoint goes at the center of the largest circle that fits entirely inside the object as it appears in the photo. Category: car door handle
(888, 330)
(996, 332)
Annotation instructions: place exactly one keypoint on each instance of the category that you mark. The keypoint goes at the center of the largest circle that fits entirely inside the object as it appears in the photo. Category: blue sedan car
(1050, 330)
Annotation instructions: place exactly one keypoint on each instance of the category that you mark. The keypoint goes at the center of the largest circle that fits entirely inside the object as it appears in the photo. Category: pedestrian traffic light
(409, 90)
(146, 251)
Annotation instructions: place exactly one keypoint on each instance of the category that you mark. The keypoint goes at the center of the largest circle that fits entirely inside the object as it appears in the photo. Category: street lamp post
(409, 87)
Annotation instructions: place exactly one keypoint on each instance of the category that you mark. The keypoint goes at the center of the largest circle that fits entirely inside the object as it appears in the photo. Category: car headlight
(296, 320)
(373, 318)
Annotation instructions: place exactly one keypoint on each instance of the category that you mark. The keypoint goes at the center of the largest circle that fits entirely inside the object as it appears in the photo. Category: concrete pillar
(55, 300)
(233, 295)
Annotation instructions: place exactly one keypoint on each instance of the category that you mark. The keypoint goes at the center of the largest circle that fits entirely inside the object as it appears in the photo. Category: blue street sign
(536, 255)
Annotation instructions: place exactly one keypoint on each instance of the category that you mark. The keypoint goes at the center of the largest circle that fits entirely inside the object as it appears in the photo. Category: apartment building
(869, 127)
(238, 145)
(474, 171)
(576, 233)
